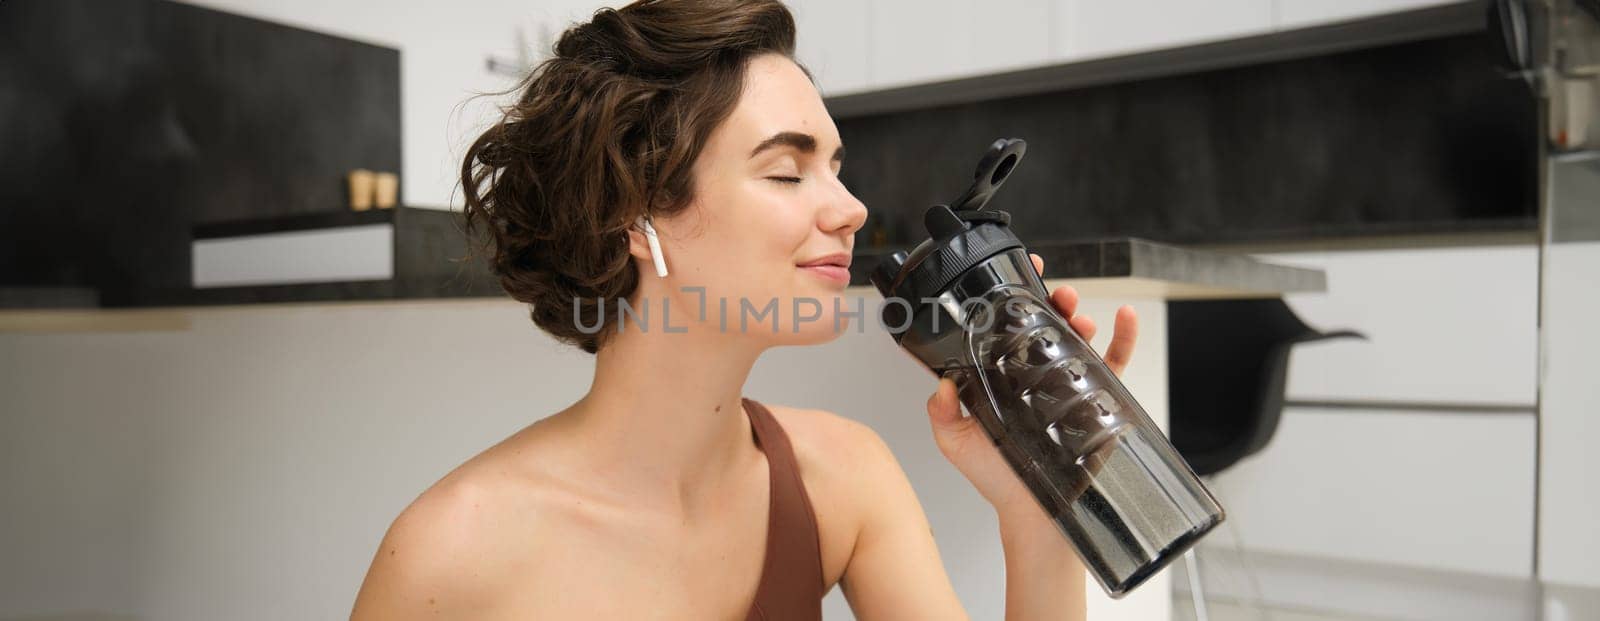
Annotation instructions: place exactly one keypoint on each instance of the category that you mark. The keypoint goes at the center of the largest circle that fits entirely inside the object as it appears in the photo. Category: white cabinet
(831, 39)
(854, 45)
(1441, 490)
(1092, 28)
(1303, 13)
(919, 41)
(1448, 487)
(1010, 34)
(914, 41)
(1445, 325)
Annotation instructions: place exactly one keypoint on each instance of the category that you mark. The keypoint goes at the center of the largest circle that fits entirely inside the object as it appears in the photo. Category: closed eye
(786, 180)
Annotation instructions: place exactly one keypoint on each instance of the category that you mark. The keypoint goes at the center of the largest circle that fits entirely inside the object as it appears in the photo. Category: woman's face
(767, 202)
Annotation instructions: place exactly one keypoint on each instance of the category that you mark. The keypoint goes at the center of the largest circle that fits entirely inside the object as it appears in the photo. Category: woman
(663, 493)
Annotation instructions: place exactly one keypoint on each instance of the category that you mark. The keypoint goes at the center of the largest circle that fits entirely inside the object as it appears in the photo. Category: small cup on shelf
(386, 190)
(362, 182)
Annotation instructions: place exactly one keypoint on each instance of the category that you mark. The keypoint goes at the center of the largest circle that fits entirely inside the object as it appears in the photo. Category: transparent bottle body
(1098, 465)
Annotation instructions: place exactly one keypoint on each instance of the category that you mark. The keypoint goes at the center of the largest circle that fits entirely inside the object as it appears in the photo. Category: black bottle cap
(939, 260)
(887, 270)
(958, 237)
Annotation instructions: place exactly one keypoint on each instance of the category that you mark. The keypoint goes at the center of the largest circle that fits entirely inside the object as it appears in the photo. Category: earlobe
(655, 246)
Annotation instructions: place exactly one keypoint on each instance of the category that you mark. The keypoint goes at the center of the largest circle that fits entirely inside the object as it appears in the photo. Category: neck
(662, 421)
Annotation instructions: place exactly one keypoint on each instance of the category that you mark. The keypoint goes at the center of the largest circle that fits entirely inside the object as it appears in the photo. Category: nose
(842, 213)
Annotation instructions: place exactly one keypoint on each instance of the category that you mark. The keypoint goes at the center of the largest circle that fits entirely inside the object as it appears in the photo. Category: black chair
(1227, 364)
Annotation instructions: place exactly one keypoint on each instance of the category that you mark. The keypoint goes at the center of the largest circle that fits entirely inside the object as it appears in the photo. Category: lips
(834, 268)
(840, 259)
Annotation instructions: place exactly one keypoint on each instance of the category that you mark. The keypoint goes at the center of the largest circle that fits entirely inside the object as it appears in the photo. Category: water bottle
(968, 305)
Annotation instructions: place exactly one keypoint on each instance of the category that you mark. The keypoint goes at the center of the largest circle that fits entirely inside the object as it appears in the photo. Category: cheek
(772, 226)
(786, 223)
(754, 235)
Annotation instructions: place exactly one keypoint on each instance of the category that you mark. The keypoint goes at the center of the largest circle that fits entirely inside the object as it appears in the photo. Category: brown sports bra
(791, 585)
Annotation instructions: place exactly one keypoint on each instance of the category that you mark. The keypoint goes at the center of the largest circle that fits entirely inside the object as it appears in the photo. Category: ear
(643, 247)
(638, 245)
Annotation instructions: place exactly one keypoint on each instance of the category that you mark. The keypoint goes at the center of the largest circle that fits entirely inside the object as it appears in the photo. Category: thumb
(944, 410)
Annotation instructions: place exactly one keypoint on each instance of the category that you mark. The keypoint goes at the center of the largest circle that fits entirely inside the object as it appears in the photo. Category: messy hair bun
(601, 133)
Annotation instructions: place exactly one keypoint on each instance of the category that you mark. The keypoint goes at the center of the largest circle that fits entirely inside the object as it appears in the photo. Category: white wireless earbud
(655, 246)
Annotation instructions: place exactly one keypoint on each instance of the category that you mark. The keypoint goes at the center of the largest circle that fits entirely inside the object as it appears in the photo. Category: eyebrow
(805, 143)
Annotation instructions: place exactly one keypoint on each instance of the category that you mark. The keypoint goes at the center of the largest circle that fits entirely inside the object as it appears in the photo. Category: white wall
(246, 468)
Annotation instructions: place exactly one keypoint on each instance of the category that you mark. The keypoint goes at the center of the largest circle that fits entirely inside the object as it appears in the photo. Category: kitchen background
(206, 413)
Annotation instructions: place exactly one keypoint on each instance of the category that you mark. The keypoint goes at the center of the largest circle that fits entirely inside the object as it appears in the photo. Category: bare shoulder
(448, 554)
(828, 440)
(844, 462)
(876, 539)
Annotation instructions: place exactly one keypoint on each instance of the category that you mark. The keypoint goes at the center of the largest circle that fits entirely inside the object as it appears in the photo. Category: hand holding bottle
(962, 439)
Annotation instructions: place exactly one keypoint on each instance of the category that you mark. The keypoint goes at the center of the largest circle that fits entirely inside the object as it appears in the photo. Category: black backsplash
(1420, 137)
(124, 123)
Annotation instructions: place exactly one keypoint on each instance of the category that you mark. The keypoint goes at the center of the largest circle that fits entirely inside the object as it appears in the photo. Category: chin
(815, 333)
(820, 330)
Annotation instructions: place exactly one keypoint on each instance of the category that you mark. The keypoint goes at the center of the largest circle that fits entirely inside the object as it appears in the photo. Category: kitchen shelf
(428, 259)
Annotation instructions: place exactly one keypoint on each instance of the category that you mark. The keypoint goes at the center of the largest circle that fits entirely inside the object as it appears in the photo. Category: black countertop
(1131, 267)
(1121, 267)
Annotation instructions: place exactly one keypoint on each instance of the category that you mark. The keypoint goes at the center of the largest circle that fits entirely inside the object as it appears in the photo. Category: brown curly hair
(605, 131)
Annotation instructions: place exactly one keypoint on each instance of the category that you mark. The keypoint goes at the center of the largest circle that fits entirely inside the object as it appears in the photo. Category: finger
(1123, 337)
(1084, 326)
(1065, 299)
(1038, 263)
(944, 410)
